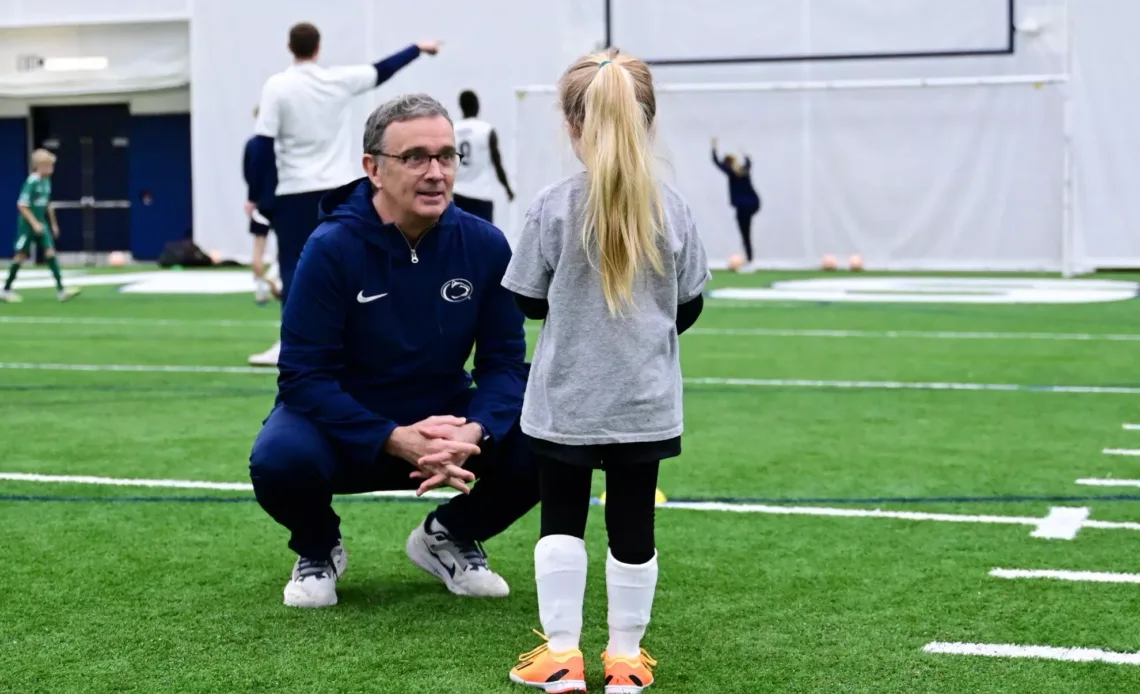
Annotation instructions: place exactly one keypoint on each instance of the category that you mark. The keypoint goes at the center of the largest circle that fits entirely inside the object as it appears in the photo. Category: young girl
(611, 259)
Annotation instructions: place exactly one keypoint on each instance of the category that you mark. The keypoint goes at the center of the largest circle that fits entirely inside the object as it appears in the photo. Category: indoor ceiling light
(75, 64)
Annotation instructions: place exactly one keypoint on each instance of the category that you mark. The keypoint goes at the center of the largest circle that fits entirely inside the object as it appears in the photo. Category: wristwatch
(486, 434)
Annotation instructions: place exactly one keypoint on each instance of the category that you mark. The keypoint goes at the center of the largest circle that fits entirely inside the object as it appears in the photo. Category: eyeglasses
(418, 161)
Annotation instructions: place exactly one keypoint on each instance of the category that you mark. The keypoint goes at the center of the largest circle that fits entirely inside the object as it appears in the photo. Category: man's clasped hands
(438, 447)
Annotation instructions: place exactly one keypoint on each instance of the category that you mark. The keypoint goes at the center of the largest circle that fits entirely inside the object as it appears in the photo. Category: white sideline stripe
(1090, 576)
(1111, 525)
(917, 334)
(1122, 451)
(140, 368)
(748, 382)
(1070, 655)
(1036, 523)
(175, 484)
(1103, 482)
(849, 512)
(1050, 522)
(148, 322)
(903, 385)
(1131, 427)
(744, 332)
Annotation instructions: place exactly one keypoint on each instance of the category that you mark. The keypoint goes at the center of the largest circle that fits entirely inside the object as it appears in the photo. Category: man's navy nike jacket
(371, 340)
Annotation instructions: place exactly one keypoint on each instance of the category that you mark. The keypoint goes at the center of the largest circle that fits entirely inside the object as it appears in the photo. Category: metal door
(91, 185)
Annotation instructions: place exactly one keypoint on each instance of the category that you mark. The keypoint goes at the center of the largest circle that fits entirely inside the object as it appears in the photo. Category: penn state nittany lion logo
(456, 290)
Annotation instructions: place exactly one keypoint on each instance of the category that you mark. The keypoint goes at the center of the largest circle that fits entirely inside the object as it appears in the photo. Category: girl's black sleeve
(535, 309)
(688, 312)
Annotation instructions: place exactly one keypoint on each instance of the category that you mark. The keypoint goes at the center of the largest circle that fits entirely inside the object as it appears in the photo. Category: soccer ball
(735, 262)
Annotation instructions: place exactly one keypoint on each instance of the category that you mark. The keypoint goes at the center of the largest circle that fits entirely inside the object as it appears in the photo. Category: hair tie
(603, 64)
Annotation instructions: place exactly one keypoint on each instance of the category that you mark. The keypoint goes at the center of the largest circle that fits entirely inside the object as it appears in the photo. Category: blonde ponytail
(623, 204)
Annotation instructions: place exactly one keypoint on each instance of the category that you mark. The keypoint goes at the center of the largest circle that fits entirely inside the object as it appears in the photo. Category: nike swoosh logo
(450, 569)
(365, 299)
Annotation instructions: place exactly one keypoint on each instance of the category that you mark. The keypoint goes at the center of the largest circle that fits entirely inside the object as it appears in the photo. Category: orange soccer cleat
(552, 672)
(626, 675)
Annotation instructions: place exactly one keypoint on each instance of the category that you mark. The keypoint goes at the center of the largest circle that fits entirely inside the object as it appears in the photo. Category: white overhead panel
(684, 31)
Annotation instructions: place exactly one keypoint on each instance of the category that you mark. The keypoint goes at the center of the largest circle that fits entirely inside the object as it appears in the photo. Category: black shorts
(257, 228)
(479, 208)
(598, 456)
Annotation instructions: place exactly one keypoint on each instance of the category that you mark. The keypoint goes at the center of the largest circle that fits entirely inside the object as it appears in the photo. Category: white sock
(560, 573)
(630, 589)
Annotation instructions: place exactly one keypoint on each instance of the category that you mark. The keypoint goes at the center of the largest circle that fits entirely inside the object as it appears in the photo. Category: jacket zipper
(415, 258)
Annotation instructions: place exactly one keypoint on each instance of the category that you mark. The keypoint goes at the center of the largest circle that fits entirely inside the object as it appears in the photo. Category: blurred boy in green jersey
(36, 224)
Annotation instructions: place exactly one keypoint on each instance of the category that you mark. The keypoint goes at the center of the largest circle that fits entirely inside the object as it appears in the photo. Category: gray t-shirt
(597, 378)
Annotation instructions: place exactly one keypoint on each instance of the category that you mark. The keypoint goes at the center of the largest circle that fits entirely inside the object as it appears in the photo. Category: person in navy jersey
(302, 146)
(392, 292)
(259, 225)
(741, 194)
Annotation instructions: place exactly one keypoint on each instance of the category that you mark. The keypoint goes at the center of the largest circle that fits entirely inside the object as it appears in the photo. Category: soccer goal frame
(1069, 262)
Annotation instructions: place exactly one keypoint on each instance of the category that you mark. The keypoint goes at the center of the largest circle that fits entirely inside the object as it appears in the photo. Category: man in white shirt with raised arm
(302, 146)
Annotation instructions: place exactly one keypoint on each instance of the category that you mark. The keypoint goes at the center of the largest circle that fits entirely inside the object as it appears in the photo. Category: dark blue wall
(160, 165)
(13, 171)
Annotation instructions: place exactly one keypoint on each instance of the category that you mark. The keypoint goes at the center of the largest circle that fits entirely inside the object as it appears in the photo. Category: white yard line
(849, 513)
(912, 385)
(1061, 575)
(1111, 525)
(1122, 451)
(917, 334)
(140, 368)
(716, 332)
(1131, 427)
(1000, 650)
(141, 322)
(173, 484)
(1107, 482)
(1060, 523)
(743, 382)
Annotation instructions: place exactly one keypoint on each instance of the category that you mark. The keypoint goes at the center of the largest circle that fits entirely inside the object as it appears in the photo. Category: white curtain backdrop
(834, 174)
(140, 57)
(1107, 135)
(936, 178)
(939, 178)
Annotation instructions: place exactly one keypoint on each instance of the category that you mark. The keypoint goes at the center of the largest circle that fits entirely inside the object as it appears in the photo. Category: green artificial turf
(109, 592)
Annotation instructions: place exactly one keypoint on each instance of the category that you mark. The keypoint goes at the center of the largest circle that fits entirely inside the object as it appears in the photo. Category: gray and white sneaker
(313, 583)
(461, 566)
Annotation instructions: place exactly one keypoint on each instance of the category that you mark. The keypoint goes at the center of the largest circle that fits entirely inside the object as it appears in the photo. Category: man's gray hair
(402, 108)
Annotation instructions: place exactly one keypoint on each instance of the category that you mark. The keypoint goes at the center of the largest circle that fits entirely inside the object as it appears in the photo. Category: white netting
(959, 175)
